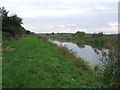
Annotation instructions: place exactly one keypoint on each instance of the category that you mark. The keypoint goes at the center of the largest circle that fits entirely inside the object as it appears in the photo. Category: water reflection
(88, 53)
(80, 45)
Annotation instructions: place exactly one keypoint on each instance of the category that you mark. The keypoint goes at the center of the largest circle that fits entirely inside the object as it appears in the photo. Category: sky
(66, 16)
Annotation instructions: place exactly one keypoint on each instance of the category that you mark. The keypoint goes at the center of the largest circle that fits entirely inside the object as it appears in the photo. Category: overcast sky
(46, 16)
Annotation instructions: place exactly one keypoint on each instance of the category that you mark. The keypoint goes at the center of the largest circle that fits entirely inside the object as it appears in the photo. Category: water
(86, 52)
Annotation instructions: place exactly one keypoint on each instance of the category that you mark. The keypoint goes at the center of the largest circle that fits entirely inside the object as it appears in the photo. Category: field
(32, 62)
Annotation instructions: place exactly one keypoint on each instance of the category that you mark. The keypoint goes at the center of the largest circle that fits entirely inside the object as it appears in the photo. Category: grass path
(35, 63)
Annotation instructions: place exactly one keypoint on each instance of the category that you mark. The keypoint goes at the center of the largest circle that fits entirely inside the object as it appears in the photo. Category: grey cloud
(97, 15)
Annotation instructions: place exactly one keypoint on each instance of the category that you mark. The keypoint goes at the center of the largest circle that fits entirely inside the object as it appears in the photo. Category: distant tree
(80, 33)
(94, 35)
(97, 34)
(32, 33)
(58, 33)
(53, 33)
(100, 34)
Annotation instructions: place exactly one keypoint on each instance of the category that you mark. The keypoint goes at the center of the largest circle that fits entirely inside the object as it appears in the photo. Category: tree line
(12, 26)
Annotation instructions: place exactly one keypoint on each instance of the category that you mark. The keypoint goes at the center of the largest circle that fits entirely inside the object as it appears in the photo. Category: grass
(78, 62)
(105, 41)
(36, 63)
(111, 73)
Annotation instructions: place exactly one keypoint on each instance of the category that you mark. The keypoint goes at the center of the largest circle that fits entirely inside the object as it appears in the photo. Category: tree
(53, 33)
(4, 12)
(11, 25)
(100, 34)
(15, 20)
(27, 32)
(97, 34)
(80, 33)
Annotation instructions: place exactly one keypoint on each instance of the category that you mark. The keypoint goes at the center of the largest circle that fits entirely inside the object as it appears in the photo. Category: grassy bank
(36, 63)
(111, 73)
(105, 41)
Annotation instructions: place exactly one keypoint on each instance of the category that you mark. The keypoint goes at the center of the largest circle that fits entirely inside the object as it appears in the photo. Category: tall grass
(76, 61)
(112, 69)
(111, 73)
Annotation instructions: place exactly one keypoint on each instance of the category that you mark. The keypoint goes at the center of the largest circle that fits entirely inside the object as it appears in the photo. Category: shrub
(97, 34)
(80, 34)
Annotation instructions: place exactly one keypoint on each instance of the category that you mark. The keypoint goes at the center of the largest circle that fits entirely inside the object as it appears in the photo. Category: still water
(88, 53)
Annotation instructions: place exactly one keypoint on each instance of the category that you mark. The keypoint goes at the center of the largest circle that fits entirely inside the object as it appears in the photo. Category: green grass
(110, 74)
(100, 42)
(36, 63)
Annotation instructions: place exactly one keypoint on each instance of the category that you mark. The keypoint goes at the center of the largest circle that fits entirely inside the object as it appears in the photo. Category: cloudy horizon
(66, 16)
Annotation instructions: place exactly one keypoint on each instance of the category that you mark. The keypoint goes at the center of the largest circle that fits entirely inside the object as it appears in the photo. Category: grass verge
(36, 63)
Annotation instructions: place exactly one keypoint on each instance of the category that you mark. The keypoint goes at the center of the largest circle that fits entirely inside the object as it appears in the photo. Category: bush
(97, 34)
(80, 34)
(11, 26)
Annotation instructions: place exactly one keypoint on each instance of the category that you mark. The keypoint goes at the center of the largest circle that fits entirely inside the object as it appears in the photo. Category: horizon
(72, 33)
